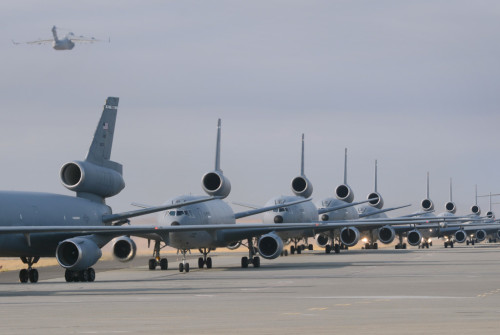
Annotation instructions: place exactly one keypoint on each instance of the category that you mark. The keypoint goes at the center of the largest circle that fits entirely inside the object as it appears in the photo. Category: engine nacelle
(302, 187)
(86, 177)
(234, 245)
(344, 192)
(270, 246)
(349, 236)
(475, 210)
(124, 248)
(460, 236)
(427, 205)
(481, 235)
(322, 240)
(375, 200)
(414, 238)
(450, 207)
(490, 215)
(216, 184)
(386, 234)
(78, 253)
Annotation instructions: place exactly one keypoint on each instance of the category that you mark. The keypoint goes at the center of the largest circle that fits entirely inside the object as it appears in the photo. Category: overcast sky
(414, 84)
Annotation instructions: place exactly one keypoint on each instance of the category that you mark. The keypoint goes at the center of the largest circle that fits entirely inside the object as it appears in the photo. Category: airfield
(385, 291)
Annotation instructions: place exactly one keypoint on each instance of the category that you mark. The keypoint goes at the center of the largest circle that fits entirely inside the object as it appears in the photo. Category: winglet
(217, 148)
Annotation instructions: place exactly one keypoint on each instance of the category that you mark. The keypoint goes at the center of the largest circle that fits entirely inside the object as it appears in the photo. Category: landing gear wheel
(163, 264)
(397, 246)
(181, 267)
(292, 249)
(91, 274)
(367, 246)
(186, 267)
(451, 244)
(23, 276)
(375, 245)
(84, 276)
(311, 247)
(299, 250)
(337, 249)
(286, 252)
(152, 264)
(209, 263)
(256, 262)
(68, 275)
(33, 275)
(328, 249)
(244, 262)
(472, 242)
(404, 245)
(467, 242)
(201, 263)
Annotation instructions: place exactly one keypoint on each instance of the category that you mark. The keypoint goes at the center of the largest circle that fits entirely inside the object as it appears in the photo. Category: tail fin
(375, 176)
(302, 158)
(54, 33)
(100, 149)
(217, 148)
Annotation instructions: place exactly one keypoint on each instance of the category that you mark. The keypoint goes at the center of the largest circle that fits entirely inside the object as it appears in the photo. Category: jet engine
(322, 240)
(460, 236)
(450, 207)
(386, 234)
(349, 236)
(475, 210)
(480, 235)
(344, 192)
(215, 184)
(124, 248)
(270, 246)
(234, 245)
(427, 205)
(302, 187)
(86, 177)
(490, 215)
(375, 200)
(78, 253)
(414, 238)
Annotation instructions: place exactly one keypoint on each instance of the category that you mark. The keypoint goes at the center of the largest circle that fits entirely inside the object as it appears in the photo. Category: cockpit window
(171, 213)
(282, 209)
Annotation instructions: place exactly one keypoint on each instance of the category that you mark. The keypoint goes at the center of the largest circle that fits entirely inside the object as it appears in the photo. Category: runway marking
(343, 305)
(318, 309)
(385, 297)
(205, 295)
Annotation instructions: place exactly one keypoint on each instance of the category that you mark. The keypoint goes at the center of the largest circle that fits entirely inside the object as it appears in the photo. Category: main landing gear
(87, 275)
(448, 243)
(400, 245)
(30, 273)
(471, 242)
(336, 248)
(204, 260)
(251, 259)
(157, 260)
(298, 248)
(371, 245)
(184, 266)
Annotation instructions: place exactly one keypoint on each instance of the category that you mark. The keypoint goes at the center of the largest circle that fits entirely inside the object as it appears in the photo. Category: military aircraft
(65, 43)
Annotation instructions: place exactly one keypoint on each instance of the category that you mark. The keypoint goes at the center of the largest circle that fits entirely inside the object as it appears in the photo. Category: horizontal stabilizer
(336, 208)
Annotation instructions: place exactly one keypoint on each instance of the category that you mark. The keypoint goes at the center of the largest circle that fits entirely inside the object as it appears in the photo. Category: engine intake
(480, 235)
(86, 177)
(78, 253)
(302, 187)
(375, 200)
(344, 192)
(270, 246)
(216, 184)
(414, 238)
(386, 234)
(460, 236)
(427, 205)
(490, 215)
(124, 248)
(322, 240)
(450, 207)
(349, 236)
(475, 210)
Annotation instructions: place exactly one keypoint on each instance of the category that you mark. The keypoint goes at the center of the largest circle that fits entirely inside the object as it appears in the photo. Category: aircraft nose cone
(278, 219)
(175, 223)
(325, 217)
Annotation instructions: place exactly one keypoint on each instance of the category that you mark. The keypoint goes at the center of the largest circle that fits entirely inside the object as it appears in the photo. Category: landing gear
(328, 249)
(184, 267)
(157, 260)
(30, 273)
(448, 243)
(371, 245)
(400, 245)
(202, 261)
(87, 275)
(252, 259)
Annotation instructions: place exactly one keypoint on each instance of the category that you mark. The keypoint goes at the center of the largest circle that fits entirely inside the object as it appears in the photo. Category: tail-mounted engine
(414, 238)
(375, 200)
(78, 253)
(302, 187)
(216, 184)
(270, 246)
(322, 240)
(344, 192)
(490, 215)
(460, 236)
(86, 177)
(427, 205)
(124, 248)
(386, 234)
(475, 210)
(450, 207)
(481, 235)
(349, 236)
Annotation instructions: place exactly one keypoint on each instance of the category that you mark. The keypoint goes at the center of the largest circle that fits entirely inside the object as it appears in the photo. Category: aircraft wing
(83, 39)
(265, 209)
(120, 217)
(382, 211)
(336, 208)
(37, 42)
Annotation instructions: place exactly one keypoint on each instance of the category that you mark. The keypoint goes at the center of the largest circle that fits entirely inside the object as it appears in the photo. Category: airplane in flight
(65, 43)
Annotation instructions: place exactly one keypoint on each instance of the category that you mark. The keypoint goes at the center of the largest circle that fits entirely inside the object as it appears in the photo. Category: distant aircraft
(66, 43)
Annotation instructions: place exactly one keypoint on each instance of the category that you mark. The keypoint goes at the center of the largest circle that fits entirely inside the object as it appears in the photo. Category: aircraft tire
(299, 250)
(337, 249)
(292, 249)
(328, 249)
(33, 275)
(181, 267)
(186, 267)
(91, 274)
(23, 276)
(209, 263)
(404, 245)
(201, 263)
(311, 247)
(286, 252)
(375, 245)
(68, 275)
(164, 264)
(244, 262)
(451, 244)
(256, 262)
(152, 264)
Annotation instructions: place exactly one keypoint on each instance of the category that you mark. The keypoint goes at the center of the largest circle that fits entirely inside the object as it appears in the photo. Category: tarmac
(385, 291)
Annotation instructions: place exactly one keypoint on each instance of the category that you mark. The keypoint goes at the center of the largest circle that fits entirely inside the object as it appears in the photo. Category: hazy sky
(414, 84)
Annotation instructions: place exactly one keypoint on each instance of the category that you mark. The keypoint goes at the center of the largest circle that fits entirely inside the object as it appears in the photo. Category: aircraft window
(171, 213)
(180, 213)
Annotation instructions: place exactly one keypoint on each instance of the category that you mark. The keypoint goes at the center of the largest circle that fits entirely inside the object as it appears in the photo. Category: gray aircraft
(65, 43)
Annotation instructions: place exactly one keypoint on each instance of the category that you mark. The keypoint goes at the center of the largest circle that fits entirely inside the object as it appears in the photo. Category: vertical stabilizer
(427, 184)
(345, 167)
(217, 148)
(476, 194)
(54, 33)
(375, 176)
(302, 158)
(451, 191)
